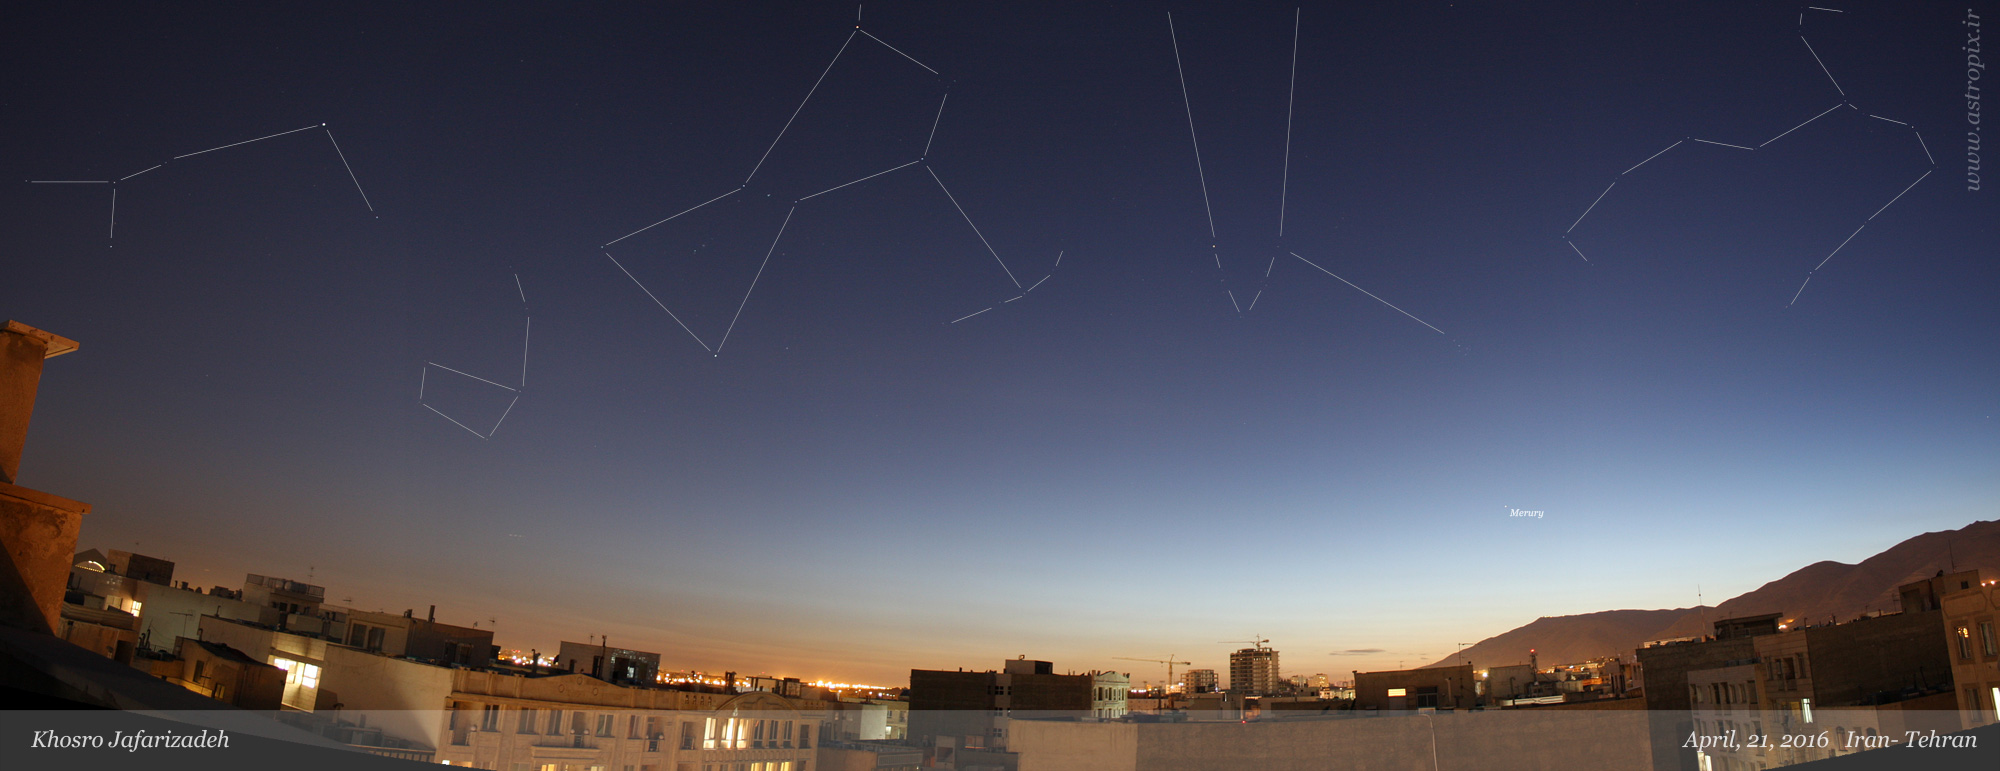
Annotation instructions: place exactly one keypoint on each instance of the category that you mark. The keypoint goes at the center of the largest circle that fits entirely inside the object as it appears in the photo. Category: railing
(420, 756)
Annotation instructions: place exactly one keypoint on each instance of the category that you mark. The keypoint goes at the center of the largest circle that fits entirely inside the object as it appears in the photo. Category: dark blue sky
(1118, 463)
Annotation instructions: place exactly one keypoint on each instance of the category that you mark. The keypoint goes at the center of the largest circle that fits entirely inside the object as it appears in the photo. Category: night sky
(1117, 463)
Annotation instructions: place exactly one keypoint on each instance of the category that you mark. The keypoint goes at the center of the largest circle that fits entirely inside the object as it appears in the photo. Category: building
(612, 665)
(37, 530)
(1771, 674)
(1970, 614)
(418, 638)
(962, 717)
(225, 674)
(864, 720)
(301, 656)
(1199, 681)
(1254, 671)
(1427, 688)
(283, 594)
(172, 612)
(1108, 694)
(487, 718)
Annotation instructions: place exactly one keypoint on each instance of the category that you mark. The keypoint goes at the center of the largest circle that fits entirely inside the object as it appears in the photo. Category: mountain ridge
(1824, 590)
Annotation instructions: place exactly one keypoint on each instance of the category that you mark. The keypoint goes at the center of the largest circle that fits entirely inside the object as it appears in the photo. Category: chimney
(22, 350)
(433, 615)
(37, 530)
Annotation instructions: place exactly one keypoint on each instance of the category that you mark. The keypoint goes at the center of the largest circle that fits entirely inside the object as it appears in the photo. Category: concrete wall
(167, 613)
(37, 541)
(405, 699)
(1455, 687)
(1490, 740)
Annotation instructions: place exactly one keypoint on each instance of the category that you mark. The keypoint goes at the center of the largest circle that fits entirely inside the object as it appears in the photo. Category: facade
(505, 720)
(418, 638)
(283, 594)
(1970, 616)
(302, 657)
(172, 612)
(612, 665)
(227, 675)
(1427, 688)
(971, 710)
(867, 720)
(1254, 671)
(1108, 694)
(1199, 681)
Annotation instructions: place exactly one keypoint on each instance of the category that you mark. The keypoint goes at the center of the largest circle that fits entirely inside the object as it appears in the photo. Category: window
(687, 736)
(1964, 644)
(713, 733)
(527, 725)
(1987, 640)
(632, 730)
(489, 719)
(555, 722)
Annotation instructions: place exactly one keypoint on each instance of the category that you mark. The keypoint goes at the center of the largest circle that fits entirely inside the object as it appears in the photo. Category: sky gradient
(1119, 463)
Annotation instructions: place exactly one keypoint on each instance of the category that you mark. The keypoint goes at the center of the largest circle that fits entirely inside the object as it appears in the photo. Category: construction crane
(1170, 662)
(1259, 643)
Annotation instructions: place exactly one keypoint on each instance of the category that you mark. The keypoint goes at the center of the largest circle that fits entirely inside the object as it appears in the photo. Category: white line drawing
(113, 231)
(1845, 102)
(924, 159)
(423, 377)
(1223, 273)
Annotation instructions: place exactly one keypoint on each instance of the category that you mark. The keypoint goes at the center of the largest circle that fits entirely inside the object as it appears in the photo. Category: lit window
(1397, 692)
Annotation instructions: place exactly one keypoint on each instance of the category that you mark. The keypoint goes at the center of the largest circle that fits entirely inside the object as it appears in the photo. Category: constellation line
(503, 417)
(1366, 292)
(137, 173)
(1579, 217)
(1871, 217)
(664, 221)
(474, 377)
(248, 141)
(1187, 103)
(1802, 290)
(969, 315)
(1579, 252)
(1724, 144)
(1836, 250)
(802, 106)
(1291, 97)
(525, 330)
(934, 125)
(454, 421)
(975, 228)
(753, 281)
(1822, 66)
(885, 44)
(1802, 125)
(1635, 167)
(863, 179)
(656, 301)
(350, 170)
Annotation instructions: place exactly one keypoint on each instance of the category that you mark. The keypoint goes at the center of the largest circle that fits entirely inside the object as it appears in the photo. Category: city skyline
(1123, 462)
